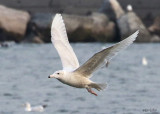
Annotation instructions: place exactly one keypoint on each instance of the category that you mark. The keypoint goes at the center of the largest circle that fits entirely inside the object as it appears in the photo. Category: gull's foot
(91, 91)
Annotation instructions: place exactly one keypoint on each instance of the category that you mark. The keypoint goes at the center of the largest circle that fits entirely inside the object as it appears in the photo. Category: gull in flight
(73, 74)
(39, 108)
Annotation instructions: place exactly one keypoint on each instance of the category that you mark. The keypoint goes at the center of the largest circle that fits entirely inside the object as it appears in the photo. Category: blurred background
(86, 21)
(27, 56)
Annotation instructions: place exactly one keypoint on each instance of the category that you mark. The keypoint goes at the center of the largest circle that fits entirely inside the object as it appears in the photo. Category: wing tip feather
(56, 18)
(136, 33)
(133, 37)
(57, 23)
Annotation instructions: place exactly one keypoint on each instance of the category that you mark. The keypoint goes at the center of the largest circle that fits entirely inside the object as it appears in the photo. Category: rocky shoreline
(110, 24)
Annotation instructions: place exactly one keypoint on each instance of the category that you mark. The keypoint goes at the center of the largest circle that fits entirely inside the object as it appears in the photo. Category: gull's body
(74, 79)
(73, 74)
(29, 108)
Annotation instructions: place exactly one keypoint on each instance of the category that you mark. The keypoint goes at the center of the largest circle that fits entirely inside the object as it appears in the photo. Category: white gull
(144, 61)
(129, 8)
(73, 74)
(29, 108)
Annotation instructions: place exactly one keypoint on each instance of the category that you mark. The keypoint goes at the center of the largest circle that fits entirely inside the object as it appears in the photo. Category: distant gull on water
(73, 74)
(39, 108)
(144, 61)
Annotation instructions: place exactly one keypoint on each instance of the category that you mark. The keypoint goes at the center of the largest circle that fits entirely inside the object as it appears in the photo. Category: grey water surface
(132, 88)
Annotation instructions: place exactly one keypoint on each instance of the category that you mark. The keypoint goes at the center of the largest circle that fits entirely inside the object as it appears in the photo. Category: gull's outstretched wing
(100, 58)
(60, 41)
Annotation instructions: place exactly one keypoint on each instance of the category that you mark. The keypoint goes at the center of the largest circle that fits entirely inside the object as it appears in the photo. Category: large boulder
(6, 44)
(112, 9)
(95, 27)
(103, 29)
(155, 27)
(155, 38)
(129, 22)
(32, 38)
(107, 9)
(13, 24)
(40, 26)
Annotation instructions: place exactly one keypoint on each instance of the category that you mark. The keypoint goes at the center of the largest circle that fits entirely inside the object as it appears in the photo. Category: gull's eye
(58, 73)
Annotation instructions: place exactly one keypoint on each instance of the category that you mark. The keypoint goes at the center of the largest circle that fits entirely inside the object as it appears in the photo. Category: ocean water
(131, 87)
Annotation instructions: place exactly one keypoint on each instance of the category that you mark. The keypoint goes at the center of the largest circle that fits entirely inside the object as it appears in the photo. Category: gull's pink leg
(91, 91)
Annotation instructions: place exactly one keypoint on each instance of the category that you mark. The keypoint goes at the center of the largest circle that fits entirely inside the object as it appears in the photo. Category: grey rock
(95, 27)
(37, 40)
(13, 24)
(129, 22)
(107, 9)
(32, 38)
(155, 27)
(6, 44)
(40, 26)
(155, 38)
(116, 7)
(103, 29)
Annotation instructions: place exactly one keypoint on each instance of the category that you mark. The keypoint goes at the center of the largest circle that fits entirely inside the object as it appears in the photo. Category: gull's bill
(60, 41)
(99, 59)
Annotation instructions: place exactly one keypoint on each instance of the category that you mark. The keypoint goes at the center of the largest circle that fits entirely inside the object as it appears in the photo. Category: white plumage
(144, 61)
(60, 41)
(29, 108)
(74, 75)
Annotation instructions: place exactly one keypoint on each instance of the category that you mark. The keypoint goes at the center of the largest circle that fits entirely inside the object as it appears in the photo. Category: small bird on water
(39, 108)
(144, 61)
(73, 74)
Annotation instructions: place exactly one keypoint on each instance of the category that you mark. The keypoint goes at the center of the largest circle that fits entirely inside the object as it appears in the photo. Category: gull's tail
(98, 86)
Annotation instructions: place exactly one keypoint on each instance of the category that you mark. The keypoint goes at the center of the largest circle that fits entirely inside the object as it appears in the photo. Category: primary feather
(60, 41)
(100, 58)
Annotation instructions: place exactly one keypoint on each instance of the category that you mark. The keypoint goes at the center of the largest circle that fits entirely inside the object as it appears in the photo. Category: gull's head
(27, 106)
(58, 74)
